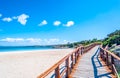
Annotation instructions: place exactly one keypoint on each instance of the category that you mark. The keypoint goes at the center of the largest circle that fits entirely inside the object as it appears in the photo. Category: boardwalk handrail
(111, 60)
(69, 66)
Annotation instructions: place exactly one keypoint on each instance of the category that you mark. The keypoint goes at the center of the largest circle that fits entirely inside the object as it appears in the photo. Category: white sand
(29, 64)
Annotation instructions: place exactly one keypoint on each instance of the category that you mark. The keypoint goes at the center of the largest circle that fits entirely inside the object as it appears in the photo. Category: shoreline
(31, 51)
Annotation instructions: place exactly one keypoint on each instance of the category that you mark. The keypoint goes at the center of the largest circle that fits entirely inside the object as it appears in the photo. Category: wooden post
(112, 63)
(107, 58)
(81, 50)
(67, 66)
(100, 53)
(57, 72)
(75, 57)
(78, 54)
(72, 61)
(103, 56)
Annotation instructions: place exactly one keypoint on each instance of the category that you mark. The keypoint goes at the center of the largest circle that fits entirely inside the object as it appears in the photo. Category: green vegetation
(112, 38)
(76, 44)
(84, 42)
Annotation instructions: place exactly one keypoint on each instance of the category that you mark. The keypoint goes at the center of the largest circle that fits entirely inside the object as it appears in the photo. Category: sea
(23, 48)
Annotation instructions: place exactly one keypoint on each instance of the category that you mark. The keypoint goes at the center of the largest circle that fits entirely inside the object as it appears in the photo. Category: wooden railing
(111, 60)
(70, 60)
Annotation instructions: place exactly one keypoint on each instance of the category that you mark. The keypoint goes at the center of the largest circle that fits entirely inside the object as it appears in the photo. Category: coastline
(30, 51)
(29, 64)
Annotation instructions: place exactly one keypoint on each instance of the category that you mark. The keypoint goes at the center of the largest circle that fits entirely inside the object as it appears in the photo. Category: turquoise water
(21, 48)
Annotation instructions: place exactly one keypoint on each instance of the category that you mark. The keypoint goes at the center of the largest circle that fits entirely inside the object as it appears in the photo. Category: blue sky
(44, 22)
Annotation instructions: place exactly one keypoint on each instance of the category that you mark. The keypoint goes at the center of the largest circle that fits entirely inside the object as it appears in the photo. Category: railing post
(75, 57)
(81, 50)
(112, 63)
(67, 66)
(107, 58)
(72, 61)
(102, 54)
(57, 72)
(78, 54)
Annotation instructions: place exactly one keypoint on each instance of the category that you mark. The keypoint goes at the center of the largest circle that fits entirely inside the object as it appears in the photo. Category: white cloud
(65, 41)
(34, 40)
(12, 39)
(44, 22)
(54, 40)
(8, 19)
(69, 24)
(22, 18)
(51, 41)
(30, 41)
(57, 23)
(0, 15)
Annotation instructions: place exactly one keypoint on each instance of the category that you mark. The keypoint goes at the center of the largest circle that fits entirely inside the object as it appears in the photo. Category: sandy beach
(29, 64)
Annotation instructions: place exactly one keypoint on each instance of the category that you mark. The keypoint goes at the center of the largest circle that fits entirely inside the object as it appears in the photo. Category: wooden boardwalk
(91, 61)
(90, 66)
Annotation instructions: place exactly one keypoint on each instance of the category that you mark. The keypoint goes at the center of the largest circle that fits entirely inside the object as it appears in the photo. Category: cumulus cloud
(8, 19)
(0, 15)
(56, 23)
(44, 22)
(69, 24)
(22, 18)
